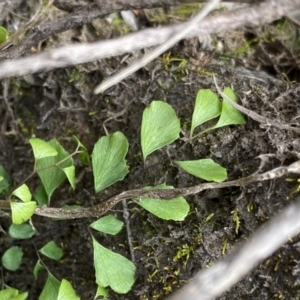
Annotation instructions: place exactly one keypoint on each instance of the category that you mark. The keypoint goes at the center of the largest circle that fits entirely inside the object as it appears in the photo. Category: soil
(60, 103)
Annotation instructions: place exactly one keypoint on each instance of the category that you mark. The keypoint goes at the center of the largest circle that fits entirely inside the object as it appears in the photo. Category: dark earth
(260, 65)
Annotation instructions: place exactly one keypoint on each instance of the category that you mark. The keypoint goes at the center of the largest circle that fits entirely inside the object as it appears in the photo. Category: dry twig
(29, 25)
(103, 207)
(81, 53)
(159, 50)
(81, 12)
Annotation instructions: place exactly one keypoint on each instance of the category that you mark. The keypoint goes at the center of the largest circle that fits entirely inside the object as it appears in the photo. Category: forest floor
(259, 65)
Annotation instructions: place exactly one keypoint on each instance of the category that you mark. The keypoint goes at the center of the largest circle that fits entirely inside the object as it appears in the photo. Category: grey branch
(251, 16)
(211, 283)
(104, 206)
(70, 6)
(80, 12)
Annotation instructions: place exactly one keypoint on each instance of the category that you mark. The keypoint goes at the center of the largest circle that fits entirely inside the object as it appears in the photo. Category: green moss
(251, 206)
(236, 219)
(173, 63)
(27, 122)
(119, 25)
(224, 245)
(245, 47)
(75, 75)
(296, 189)
(203, 72)
(183, 252)
(178, 13)
(185, 11)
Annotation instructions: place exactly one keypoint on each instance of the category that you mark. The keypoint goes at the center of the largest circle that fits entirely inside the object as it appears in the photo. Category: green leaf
(206, 169)
(3, 34)
(40, 196)
(174, 209)
(113, 269)
(12, 294)
(101, 292)
(21, 296)
(5, 182)
(22, 211)
(84, 156)
(66, 291)
(8, 293)
(108, 160)
(79, 144)
(160, 127)
(12, 258)
(38, 267)
(51, 288)
(207, 107)
(41, 148)
(22, 193)
(108, 224)
(70, 173)
(53, 175)
(52, 251)
(229, 114)
(21, 231)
